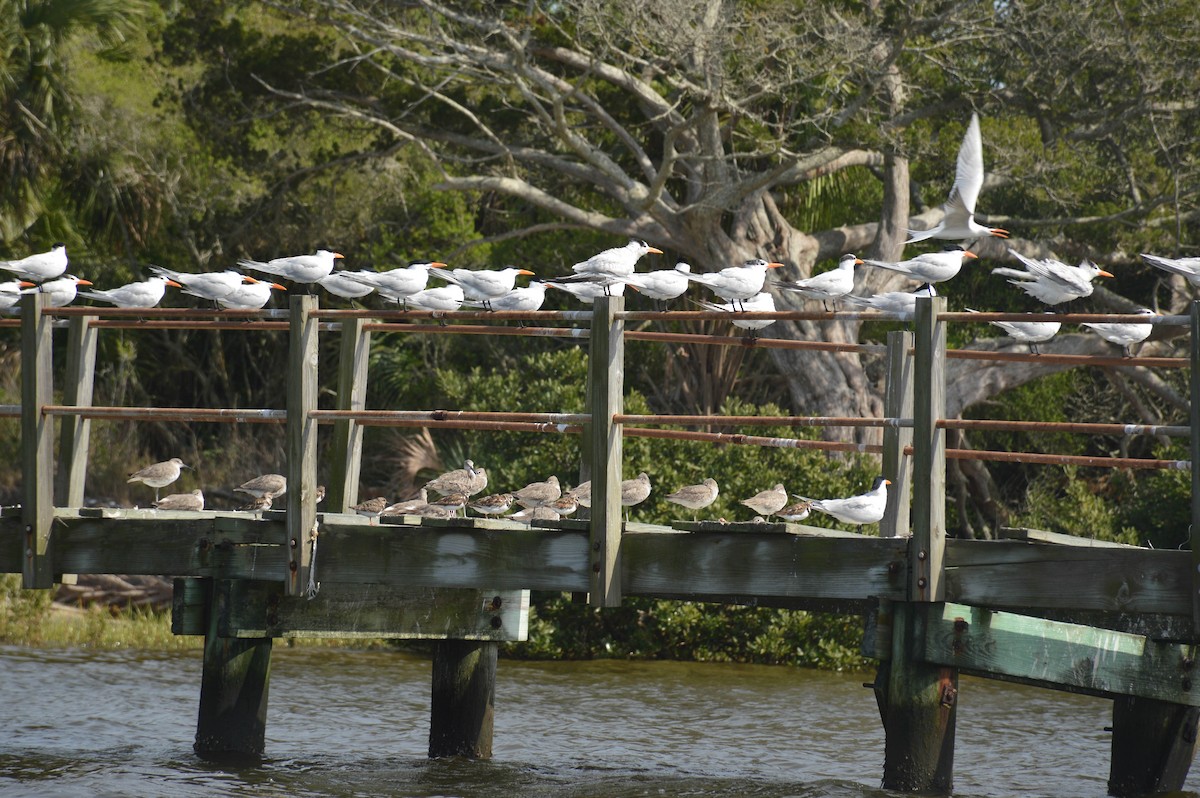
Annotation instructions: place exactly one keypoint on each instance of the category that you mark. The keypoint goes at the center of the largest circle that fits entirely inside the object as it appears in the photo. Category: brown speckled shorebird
(495, 504)
(372, 508)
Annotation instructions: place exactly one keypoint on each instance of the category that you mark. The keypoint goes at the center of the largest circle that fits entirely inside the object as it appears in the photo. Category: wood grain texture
(37, 443)
(898, 467)
(301, 468)
(929, 454)
(74, 436)
(606, 382)
(345, 450)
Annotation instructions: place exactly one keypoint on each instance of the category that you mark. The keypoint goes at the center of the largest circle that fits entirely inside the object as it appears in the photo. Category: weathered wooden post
(919, 699)
(301, 442)
(75, 432)
(898, 403)
(606, 379)
(37, 442)
(232, 723)
(1194, 421)
(464, 690)
(346, 448)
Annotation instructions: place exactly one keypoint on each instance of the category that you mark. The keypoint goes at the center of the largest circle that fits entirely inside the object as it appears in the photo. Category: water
(355, 723)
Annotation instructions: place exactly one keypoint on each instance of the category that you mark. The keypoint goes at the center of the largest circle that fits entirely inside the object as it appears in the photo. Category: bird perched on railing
(252, 294)
(341, 284)
(481, 285)
(143, 294)
(1028, 332)
(59, 292)
(759, 303)
(866, 508)
(193, 501)
(615, 262)
(1124, 334)
(39, 267)
(519, 299)
(767, 502)
(1052, 281)
(586, 291)
(929, 267)
(297, 268)
(959, 221)
(10, 293)
(159, 475)
(444, 297)
(893, 301)
(206, 285)
(695, 497)
(737, 283)
(831, 285)
(661, 285)
(397, 285)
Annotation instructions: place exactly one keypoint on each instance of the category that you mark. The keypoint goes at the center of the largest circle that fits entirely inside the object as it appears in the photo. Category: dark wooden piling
(1153, 745)
(464, 690)
(232, 723)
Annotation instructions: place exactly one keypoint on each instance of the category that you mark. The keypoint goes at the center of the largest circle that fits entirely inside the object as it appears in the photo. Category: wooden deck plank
(1042, 536)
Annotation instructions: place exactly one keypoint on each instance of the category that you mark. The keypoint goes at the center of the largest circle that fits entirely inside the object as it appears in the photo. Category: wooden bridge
(1048, 610)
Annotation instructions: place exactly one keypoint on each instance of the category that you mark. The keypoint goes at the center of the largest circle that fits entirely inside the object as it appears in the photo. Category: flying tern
(42, 266)
(866, 508)
(930, 267)
(1052, 281)
(833, 284)
(616, 262)
(297, 268)
(144, 294)
(959, 220)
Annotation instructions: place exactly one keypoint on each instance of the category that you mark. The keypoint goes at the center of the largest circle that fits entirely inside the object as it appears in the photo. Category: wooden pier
(1063, 613)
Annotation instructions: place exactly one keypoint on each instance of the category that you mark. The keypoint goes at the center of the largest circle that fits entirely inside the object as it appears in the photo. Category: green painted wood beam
(1060, 655)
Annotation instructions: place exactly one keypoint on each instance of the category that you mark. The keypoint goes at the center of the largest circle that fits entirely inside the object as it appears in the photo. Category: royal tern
(893, 301)
(662, 285)
(158, 475)
(59, 292)
(930, 267)
(396, 285)
(833, 284)
(344, 285)
(42, 266)
(181, 501)
(481, 285)
(1028, 332)
(866, 508)
(615, 262)
(759, 303)
(536, 493)
(767, 502)
(519, 299)
(695, 497)
(144, 294)
(272, 485)
(1188, 267)
(468, 479)
(493, 504)
(206, 285)
(253, 294)
(297, 268)
(372, 508)
(1051, 281)
(10, 293)
(1124, 334)
(959, 220)
(737, 283)
(444, 297)
(586, 291)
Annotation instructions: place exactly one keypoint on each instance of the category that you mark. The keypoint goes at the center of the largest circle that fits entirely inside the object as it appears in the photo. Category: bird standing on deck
(634, 492)
(930, 267)
(468, 479)
(266, 485)
(866, 508)
(615, 262)
(695, 497)
(833, 284)
(159, 475)
(538, 493)
(959, 221)
(39, 267)
(372, 508)
(193, 501)
(767, 502)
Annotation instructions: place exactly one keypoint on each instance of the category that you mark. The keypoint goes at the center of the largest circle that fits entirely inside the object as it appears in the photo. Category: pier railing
(1021, 609)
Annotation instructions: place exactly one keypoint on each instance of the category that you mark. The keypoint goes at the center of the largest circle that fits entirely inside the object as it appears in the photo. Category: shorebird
(538, 493)
(482, 285)
(493, 504)
(959, 220)
(616, 262)
(181, 501)
(763, 302)
(562, 506)
(695, 497)
(1124, 334)
(452, 502)
(253, 294)
(297, 268)
(267, 485)
(737, 283)
(930, 267)
(519, 299)
(468, 479)
(866, 508)
(767, 502)
(372, 508)
(144, 294)
(1052, 281)
(206, 285)
(893, 301)
(534, 514)
(1187, 267)
(583, 493)
(434, 511)
(39, 267)
(662, 285)
(409, 506)
(833, 284)
(1028, 332)
(258, 505)
(159, 475)
(795, 512)
(633, 492)
(344, 285)
(59, 292)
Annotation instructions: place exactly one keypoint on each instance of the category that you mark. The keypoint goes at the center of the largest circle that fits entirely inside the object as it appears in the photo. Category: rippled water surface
(355, 723)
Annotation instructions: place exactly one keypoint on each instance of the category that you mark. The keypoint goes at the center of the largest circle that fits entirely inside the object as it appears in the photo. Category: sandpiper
(159, 475)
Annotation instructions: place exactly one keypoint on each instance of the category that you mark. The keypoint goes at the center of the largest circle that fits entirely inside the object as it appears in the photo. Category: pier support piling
(464, 690)
(232, 723)
(1153, 745)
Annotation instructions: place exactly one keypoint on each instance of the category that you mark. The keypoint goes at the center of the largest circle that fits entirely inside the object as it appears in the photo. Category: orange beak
(524, 271)
(172, 282)
(1105, 274)
(337, 255)
(280, 287)
(999, 232)
(655, 250)
(969, 254)
(780, 265)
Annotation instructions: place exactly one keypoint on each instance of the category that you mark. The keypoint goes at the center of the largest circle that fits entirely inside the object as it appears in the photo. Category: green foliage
(1068, 502)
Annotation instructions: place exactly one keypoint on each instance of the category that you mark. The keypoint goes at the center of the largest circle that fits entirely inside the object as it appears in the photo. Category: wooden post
(606, 378)
(37, 442)
(1194, 420)
(232, 723)
(75, 432)
(464, 691)
(301, 441)
(1153, 745)
(346, 450)
(929, 455)
(898, 403)
(918, 708)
